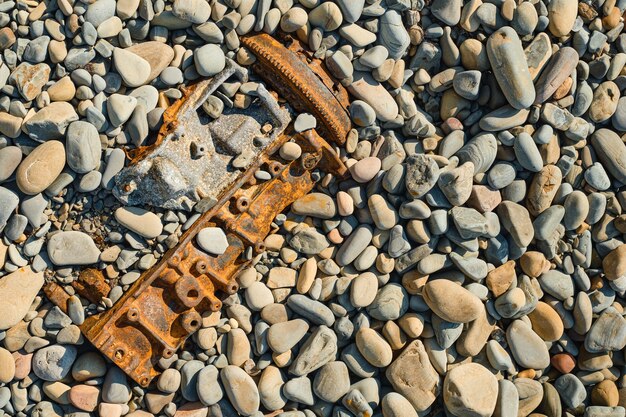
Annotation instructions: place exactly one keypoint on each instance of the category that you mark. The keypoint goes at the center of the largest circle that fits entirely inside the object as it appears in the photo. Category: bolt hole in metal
(242, 204)
(132, 314)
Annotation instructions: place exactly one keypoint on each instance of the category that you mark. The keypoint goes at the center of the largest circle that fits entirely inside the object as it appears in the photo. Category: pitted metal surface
(192, 159)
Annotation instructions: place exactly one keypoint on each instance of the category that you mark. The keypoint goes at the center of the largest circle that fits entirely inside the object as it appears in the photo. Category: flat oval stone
(510, 68)
(363, 289)
(619, 117)
(614, 264)
(82, 146)
(332, 381)
(17, 292)
(365, 88)
(41, 167)
(281, 337)
(208, 386)
(365, 169)
(318, 205)
(528, 349)
(527, 153)
(560, 66)
(354, 245)
(611, 151)
(452, 302)
(562, 15)
(7, 366)
(503, 118)
(557, 284)
(576, 207)
(84, 397)
(546, 322)
(374, 347)
(212, 240)
(240, 389)
(209, 60)
(140, 221)
(72, 248)
(516, 220)
(313, 310)
(53, 363)
(194, 11)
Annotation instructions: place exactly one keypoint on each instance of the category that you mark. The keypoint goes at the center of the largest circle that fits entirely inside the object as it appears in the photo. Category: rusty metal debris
(191, 162)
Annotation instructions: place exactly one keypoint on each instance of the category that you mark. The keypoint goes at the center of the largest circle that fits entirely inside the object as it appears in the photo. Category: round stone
(88, 366)
(332, 381)
(72, 248)
(53, 363)
(212, 240)
(209, 60)
(365, 169)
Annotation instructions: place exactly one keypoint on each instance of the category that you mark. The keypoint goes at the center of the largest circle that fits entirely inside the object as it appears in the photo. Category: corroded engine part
(192, 159)
(164, 306)
(303, 81)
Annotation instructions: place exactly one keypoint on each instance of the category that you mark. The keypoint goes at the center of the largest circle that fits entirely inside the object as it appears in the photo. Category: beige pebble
(41, 167)
(614, 264)
(562, 15)
(365, 169)
(62, 90)
(7, 366)
(373, 347)
(546, 322)
(452, 302)
(84, 397)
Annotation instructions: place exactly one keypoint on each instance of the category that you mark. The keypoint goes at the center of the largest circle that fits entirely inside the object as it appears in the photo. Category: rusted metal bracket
(165, 305)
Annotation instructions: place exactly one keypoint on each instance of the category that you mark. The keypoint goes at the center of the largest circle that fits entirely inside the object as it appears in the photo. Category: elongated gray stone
(608, 332)
(528, 349)
(510, 68)
(319, 349)
(480, 150)
(560, 66)
(611, 151)
(354, 245)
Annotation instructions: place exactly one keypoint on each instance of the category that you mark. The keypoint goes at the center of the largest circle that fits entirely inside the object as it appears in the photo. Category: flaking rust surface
(165, 305)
